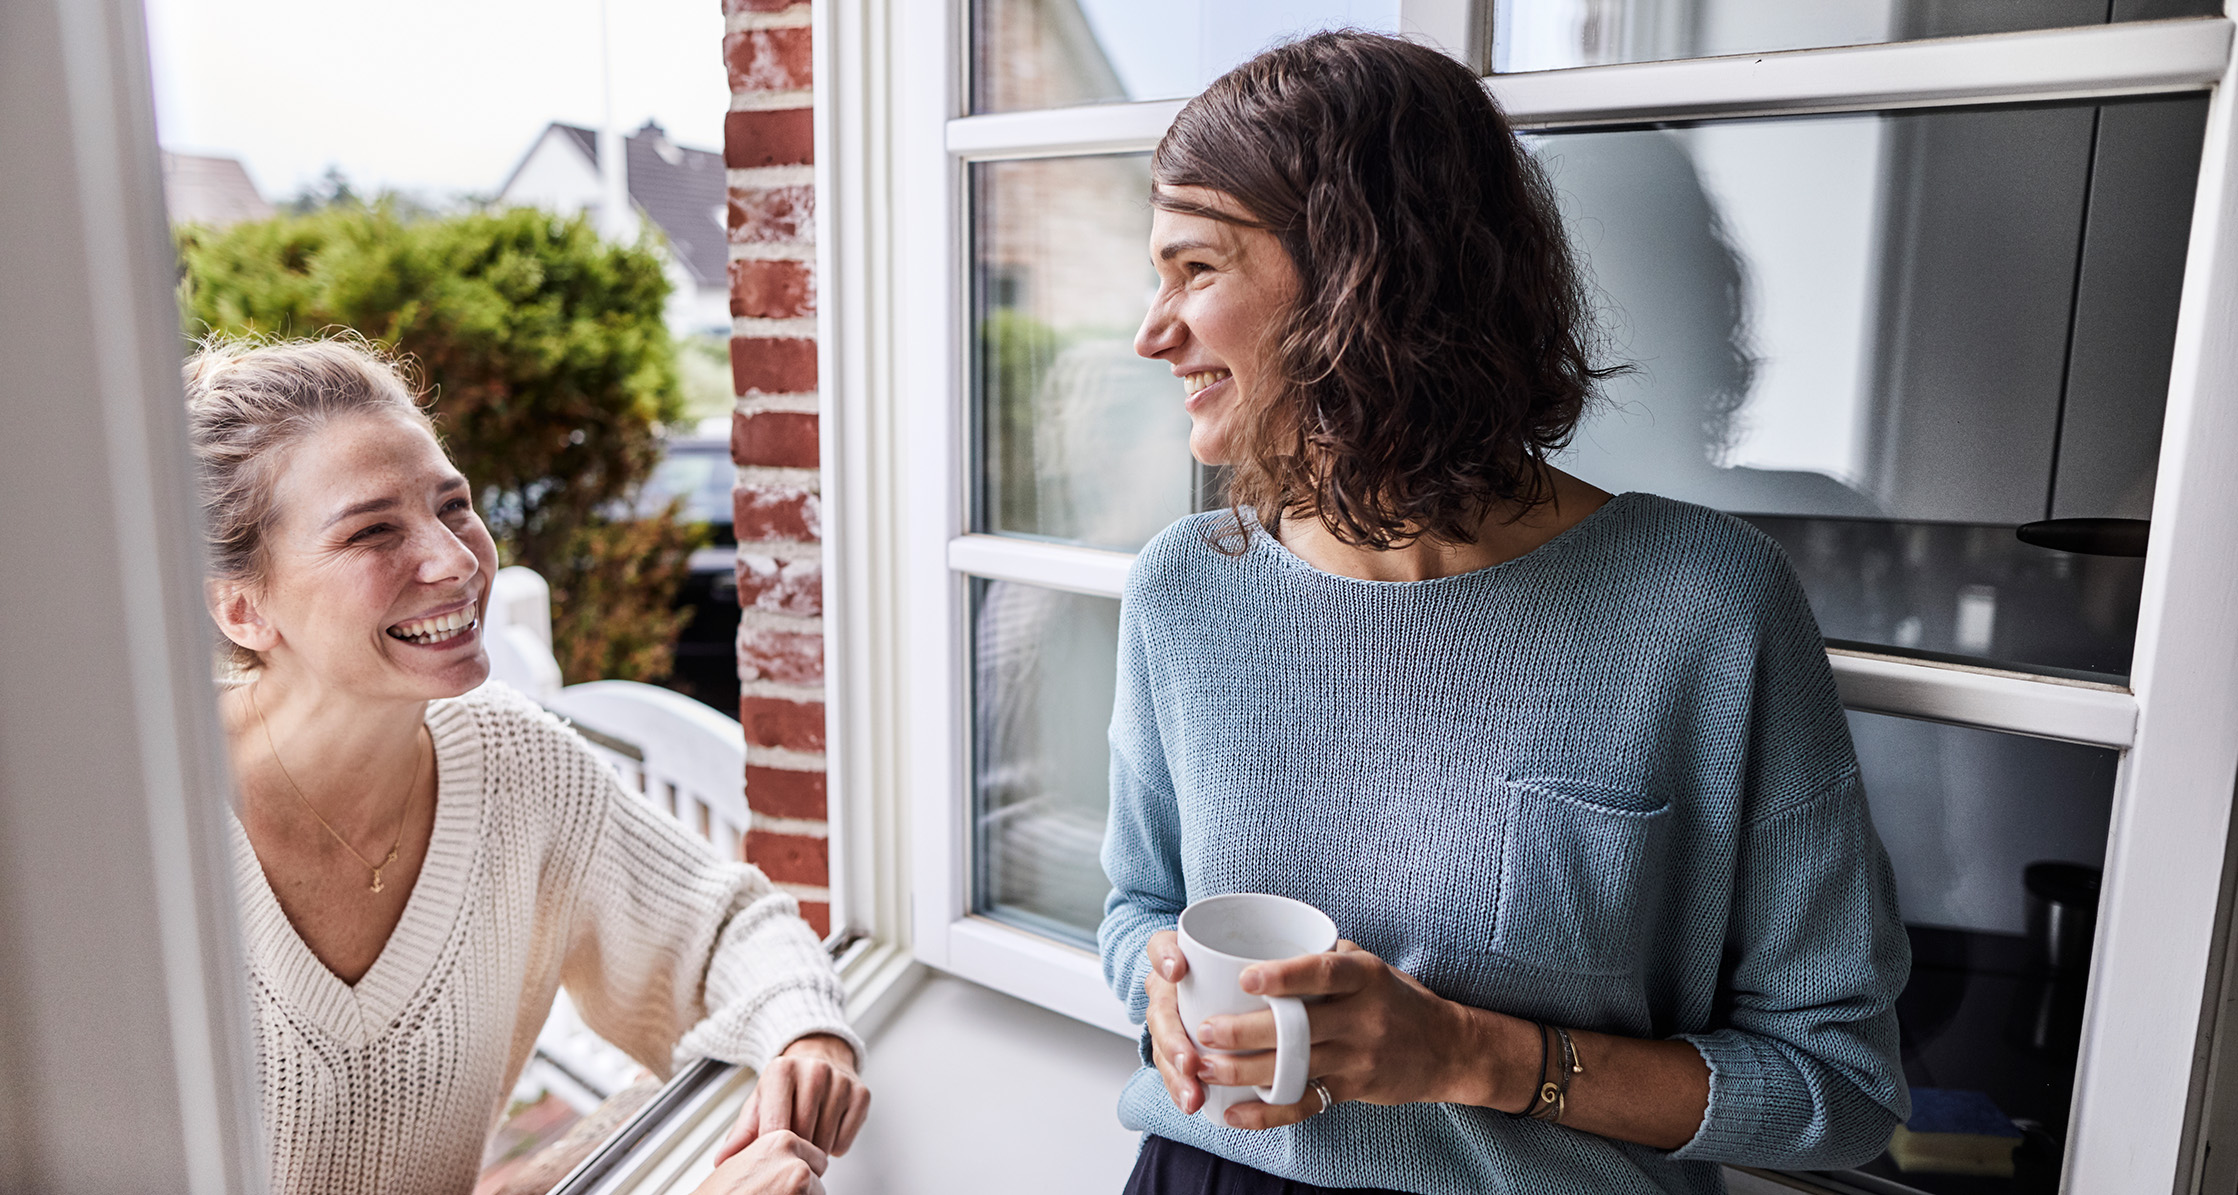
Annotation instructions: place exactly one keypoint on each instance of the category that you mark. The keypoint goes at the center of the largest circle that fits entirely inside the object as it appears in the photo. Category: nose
(444, 557)
(1162, 330)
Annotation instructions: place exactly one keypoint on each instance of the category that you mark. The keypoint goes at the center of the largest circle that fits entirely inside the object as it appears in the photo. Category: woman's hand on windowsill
(777, 1163)
(810, 1090)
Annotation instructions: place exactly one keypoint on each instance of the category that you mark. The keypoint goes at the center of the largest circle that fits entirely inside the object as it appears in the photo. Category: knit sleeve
(674, 954)
(1142, 840)
(1804, 1066)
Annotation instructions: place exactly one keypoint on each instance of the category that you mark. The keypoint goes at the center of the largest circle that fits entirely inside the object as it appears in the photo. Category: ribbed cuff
(784, 1017)
(1743, 1071)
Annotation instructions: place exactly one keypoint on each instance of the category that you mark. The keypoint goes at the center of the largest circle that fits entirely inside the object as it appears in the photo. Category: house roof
(676, 187)
(682, 191)
(208, 190)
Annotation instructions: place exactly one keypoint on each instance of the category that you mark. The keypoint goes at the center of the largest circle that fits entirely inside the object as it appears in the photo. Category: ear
(233, 607)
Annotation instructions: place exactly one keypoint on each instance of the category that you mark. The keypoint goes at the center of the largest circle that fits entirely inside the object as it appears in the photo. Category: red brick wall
(769, 147)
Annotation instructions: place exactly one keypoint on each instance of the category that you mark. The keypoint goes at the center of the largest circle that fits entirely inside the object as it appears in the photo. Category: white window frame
(124, 1033)
(893, 231)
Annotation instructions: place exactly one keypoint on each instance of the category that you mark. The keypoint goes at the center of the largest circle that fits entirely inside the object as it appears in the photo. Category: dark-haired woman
(1568, 768)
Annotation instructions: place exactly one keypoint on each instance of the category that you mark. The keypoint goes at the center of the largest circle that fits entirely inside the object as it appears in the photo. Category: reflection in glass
(1537, 35)
(1079, 438)
(1056, 53)
(1986, 832)
(1044, 668)
(1895, 337)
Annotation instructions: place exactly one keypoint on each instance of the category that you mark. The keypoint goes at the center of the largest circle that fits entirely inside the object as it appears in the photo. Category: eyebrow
(354, 509)
(1173, 249)
(377, 505)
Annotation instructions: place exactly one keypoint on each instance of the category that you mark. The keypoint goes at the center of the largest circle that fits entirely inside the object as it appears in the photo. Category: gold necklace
(369, 864)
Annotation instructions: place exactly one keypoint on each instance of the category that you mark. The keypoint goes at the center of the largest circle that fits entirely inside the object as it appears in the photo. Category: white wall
(975, 1093)
(554, 176)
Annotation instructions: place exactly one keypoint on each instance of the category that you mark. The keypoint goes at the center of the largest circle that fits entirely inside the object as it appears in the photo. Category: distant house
(211, 191)
(680, 190)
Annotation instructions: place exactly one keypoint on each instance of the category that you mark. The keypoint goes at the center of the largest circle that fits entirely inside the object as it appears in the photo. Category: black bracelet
(1570, 1066)
(1532, 1105)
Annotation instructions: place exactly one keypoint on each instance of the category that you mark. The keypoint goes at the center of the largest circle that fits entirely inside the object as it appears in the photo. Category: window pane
(1889, 339)
(1056, 53)
(1044, 667)
(1537, 35)
(1994, 1004)
(1079, 438)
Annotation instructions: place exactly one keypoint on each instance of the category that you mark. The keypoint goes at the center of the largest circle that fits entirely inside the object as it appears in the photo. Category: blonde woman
(424, 860)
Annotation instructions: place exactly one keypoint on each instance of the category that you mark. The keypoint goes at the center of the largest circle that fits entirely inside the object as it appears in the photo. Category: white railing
(684, 758)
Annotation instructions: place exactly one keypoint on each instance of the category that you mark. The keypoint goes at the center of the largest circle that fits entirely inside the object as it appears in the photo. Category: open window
(1930, 292)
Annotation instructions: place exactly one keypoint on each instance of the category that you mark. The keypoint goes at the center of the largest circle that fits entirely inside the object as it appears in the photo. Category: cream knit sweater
(541, 871)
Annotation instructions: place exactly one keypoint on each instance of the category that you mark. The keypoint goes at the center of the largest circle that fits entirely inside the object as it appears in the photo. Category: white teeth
(1198, 381)
(432, 630)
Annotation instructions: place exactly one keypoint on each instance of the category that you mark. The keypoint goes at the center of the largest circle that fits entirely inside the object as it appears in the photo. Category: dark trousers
(1171, 1168)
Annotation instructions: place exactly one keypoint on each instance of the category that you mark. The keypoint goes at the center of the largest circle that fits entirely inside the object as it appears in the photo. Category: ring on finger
(1322, 1089)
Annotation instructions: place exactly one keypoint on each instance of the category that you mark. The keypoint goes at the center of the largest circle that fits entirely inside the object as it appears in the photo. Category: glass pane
(1987, 832)
(1056, 53)
(1079, 438)
(1537, 35)
(1044, 665)
(1889, 340)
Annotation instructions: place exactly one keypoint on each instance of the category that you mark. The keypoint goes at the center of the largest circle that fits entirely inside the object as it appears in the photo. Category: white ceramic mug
(1220, 936)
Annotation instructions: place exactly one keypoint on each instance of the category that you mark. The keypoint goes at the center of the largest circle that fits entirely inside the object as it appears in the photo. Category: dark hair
(1438, 348)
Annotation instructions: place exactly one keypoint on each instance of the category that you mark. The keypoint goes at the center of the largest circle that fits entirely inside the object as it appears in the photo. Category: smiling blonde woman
(424, 860)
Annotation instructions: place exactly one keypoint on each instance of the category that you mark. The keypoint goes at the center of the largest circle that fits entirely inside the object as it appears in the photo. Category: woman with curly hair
(1567, 769)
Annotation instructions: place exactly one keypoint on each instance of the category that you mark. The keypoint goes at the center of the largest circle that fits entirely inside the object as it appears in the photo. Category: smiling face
(1223, 290)
(376, 568)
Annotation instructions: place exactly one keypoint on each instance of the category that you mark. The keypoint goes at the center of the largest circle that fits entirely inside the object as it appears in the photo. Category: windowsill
(667, 1146)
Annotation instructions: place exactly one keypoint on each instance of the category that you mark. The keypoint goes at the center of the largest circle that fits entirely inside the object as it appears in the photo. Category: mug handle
(1293, 1050)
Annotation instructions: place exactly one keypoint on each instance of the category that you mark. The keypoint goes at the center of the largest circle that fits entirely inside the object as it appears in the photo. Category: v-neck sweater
(541, 871)
(1607, 784)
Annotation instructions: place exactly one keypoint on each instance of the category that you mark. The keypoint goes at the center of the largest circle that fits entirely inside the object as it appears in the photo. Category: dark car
(698, 469)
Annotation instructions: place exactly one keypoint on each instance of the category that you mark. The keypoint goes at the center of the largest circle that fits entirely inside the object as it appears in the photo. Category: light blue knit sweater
(1606, 785)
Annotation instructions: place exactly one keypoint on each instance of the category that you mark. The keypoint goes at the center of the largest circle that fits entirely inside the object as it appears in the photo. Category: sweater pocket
(1581, 872)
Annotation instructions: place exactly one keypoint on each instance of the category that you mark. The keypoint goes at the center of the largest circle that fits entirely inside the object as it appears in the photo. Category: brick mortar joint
(772, 99)
(783, 551)
(769, 178)
(780, 691)
(761, 479)
(786, 759)
(799, 16)
(771, 620)
(801, 402)
(798, 827)
(801, 251)
(755, 327)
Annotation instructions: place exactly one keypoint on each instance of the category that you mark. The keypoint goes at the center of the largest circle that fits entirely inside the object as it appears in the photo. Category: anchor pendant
(377, 885)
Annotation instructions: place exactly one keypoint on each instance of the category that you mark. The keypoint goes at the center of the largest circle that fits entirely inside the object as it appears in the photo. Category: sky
(430, 97)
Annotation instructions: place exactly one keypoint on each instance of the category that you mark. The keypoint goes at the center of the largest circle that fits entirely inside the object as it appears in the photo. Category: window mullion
(2102, 715)
(2136, 58)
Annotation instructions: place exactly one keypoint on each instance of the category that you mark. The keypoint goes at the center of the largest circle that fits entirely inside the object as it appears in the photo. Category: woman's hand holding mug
(1377, 1035)
(1194, 977)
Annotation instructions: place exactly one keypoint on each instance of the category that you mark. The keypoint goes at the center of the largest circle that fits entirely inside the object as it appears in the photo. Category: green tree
(551, 371)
